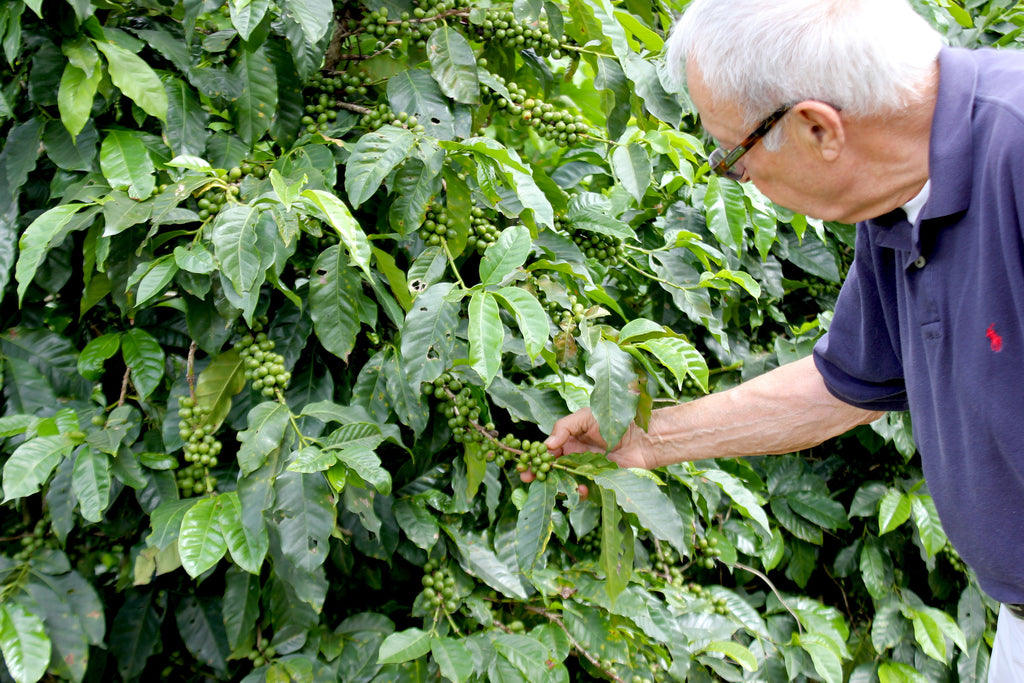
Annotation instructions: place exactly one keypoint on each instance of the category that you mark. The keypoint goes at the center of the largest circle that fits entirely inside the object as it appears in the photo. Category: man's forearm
(782, 411)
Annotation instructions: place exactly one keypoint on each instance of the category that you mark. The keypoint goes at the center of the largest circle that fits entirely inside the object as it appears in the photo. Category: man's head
(831, 62)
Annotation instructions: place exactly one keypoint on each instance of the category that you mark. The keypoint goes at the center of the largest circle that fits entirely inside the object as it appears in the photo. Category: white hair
(864, 57)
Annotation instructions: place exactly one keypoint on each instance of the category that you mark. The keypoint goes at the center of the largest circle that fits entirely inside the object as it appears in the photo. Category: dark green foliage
(291, 294)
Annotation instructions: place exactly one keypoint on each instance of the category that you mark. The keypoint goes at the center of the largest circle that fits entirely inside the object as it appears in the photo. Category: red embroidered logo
(994, 340)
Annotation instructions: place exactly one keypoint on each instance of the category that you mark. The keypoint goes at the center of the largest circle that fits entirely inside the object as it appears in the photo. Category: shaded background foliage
(292, 290)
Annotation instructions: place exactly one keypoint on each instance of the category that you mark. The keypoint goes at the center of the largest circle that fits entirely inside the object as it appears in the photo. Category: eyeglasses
(722, 161)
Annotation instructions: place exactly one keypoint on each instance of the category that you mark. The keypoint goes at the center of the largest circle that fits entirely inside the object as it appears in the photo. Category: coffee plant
(293, 291)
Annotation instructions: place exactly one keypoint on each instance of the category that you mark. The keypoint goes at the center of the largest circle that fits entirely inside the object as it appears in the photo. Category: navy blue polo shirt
(930, 316)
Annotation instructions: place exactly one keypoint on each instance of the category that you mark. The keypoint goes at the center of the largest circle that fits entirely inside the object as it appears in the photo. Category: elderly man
(854, 111)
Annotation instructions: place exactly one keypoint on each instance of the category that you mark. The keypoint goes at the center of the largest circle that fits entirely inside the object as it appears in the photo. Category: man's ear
(819, 126)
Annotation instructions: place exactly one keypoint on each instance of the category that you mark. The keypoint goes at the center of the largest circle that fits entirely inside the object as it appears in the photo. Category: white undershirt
(914, 206)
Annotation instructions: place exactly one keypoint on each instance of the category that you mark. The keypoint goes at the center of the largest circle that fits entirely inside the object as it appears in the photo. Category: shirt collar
(950, 152)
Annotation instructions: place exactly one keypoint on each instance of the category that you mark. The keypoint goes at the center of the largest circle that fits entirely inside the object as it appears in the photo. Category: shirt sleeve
(859, 356)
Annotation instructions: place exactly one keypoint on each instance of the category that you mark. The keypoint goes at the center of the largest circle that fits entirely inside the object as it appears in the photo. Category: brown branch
(124, 387)
(190, 369)
(357, 108)
(554, 618)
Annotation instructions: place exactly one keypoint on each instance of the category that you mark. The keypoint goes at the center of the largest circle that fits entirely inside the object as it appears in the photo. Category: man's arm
(782, 411)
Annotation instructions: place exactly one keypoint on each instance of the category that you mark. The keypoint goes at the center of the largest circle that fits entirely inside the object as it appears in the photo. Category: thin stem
(554, 618)
(451, 261)
(764, 577)
(190, 369)
(124, 388)
(654, 277)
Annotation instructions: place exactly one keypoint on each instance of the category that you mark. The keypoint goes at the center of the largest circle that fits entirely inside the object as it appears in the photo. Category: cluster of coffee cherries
(412, 28)
(604, 248)
(565, 318)
(320, 111)
(439, 587)
(953, 557)
(382, 114)
(533, 457)
(709, 552)
(435, 225)
(214, 197)
(260, 657)
(667, 564)
(559, 126)
(691, 387)
(502, 28)
(482, 232)
(33, 542)
(459, 406)
(262, 366)
(719, 605)
(590, 543)
(200, 450)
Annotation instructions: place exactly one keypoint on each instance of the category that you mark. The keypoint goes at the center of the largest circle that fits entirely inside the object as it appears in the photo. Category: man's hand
(579, 433)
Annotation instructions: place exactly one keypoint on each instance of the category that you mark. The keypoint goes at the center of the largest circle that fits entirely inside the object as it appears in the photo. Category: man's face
(794, 176)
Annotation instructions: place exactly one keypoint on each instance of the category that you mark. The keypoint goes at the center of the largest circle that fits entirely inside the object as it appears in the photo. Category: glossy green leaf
(616, 390)
(632, 168)
(416, 92)
(201, 543)
(267, 424)
(248, 548)
(485, 336)
(530, 315)
(234, 246)
(135, 632)
(416, 185)
(31, 464)
(479, 559)
(639, 495)
(374, 156)
(681, 357)
(45, 232)
(96, 352)
(304, 516)
(734, 651)
(21, 151)
(453, 657)
(144, 357)
(335, 301)
(24, 643)
(367, 465)
(135, 79)
(506, 255)
(185, 129)
(453, 65)
(348, 229)
(875, 569)
(157, 275)
(257, 100)
(741, 495)
(126, 163)
(826, 660)
(926, 519)
(402, 646)
(616, 546)
(217, 383)
(893, 510)
(246, 15)
(534, 525)
(75, 97)
(91, 483)
(201, 626)
(241, 607)
(314, 16)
